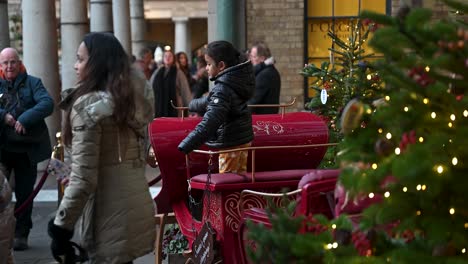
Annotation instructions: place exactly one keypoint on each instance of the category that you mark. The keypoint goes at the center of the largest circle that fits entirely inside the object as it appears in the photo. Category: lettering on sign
(203, 245)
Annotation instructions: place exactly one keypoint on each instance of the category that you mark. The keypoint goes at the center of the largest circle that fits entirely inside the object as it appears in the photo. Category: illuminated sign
(336, 16)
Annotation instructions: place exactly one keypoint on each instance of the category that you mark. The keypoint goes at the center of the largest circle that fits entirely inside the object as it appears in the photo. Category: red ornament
(311, 225)
(407, 139)
(420, 76)
(408, 235)
(361, 243)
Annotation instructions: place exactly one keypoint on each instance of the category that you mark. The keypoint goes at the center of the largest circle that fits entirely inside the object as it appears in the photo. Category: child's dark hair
(222, 50)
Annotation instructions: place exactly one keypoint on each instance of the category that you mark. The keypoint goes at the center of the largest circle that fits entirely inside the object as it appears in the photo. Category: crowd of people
(181, 82)
(105, 118)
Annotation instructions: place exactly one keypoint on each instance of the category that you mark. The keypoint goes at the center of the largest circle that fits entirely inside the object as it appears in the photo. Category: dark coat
(200, 87)
(267, 89)
(227, 121)
(29, 103)
(169, 84)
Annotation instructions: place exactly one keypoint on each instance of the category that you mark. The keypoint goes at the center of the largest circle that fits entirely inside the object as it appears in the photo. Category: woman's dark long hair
(184, 68)
(107, 69)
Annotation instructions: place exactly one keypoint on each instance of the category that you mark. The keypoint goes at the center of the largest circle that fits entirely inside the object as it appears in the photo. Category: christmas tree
(347, 75)
(408, 148)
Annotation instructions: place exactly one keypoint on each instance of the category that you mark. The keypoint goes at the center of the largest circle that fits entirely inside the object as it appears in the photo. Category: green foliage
(349, 75)
(423, 123)
(173, 241)
(287, 241)
(409, 149)
(458, 5)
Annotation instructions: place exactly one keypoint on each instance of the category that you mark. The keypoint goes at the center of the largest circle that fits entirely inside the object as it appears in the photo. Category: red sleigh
(314, 195)
(286, 147)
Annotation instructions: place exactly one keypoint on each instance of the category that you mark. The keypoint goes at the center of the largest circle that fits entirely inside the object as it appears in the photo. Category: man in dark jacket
(24, 141)
(267, 79)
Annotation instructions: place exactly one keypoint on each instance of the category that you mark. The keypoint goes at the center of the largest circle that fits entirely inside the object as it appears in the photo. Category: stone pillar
(138, 26)
(74, 25)
(227, 26)
(101, 15)
(189, 42)
(121, 14)
(241, 21)
(181, 37)
(212, 21)
(226, 21)
(40, 51)
(212, 25)
(4, 27)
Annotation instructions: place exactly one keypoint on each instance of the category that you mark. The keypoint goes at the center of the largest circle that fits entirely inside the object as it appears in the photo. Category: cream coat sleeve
(85, 153)
(183, 88)
(144, 102)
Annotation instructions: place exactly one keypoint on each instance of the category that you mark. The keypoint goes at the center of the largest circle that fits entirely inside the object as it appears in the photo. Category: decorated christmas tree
(408, 148)
(347, 75)
(411, 149)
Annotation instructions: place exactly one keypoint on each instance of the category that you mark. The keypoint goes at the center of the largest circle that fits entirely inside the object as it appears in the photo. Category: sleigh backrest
(289, 129)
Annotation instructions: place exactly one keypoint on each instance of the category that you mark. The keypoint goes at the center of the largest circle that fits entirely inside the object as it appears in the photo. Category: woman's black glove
(61, 246)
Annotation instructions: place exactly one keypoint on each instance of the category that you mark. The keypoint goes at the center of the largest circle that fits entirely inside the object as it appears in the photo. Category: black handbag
(34, 134)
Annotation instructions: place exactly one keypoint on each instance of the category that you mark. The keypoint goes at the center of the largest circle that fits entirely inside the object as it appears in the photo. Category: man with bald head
(24, 138)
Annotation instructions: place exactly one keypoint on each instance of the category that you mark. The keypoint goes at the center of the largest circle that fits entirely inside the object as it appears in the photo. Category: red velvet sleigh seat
(285, 148)
(314, 195)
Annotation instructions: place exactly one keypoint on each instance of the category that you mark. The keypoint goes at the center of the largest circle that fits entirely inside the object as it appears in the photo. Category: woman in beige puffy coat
(104, 126)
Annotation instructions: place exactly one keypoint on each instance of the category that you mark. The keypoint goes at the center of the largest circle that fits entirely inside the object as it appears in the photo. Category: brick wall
(280, 23)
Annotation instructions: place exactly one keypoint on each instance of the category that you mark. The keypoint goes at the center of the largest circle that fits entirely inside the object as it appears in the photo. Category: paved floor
(44, 208)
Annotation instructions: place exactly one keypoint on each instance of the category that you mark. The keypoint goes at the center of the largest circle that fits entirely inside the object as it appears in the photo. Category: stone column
(226, 21)
(121, 14)
(40, 51)
(227, 26)
(101, 15)
(4, 27)
(242, 25)
(74, 25)
(138, 26)
(180, 40)
(212, 21)
(189, 42)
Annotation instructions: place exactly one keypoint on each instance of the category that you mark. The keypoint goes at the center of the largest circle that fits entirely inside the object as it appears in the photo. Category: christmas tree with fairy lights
(409, 149)
(347, 75)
